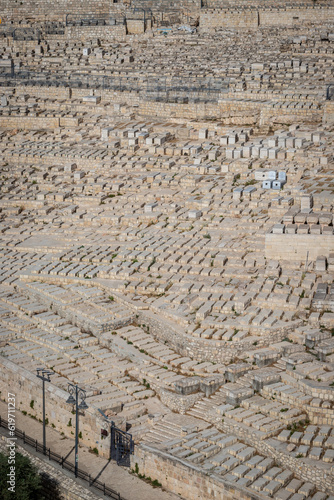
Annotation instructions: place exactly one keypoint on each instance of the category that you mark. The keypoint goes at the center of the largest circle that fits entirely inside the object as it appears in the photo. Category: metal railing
(53, 28)
(63, 462)
(139, 14)
(175, 89)
(94, 20)
(168, 89)
(6, 31)
(168, 18)
(330, 92)
(26, 34)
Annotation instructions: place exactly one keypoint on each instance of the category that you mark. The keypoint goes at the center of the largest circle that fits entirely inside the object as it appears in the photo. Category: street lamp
(44, 375)
(76, 392)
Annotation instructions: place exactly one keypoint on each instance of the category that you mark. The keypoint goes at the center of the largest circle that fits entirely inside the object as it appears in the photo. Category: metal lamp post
(44, 375)
(75, 393)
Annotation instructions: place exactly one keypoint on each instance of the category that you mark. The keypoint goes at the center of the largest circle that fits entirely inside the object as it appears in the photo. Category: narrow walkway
(117, 478)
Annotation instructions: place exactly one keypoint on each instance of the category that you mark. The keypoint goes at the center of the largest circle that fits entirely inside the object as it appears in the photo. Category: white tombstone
(272, 142)
(278, 228)
(263, 153)
(232, 138)
(249, 189)
(106, 132)
(261, 175)
(237, 193)
(194, 214)
(255, 151)
(243, 137)
(272, 153)
(290, 142)
(282, 176)
(237, 153)
(299, 142)
(277, 185)
(229, 153)
(203, 133)
(272, 175)
(149, 207)
(247, 151)
(79, 175)
(93, 99)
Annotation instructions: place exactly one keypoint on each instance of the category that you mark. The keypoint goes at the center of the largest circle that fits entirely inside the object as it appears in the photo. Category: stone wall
(296, 16)
(229, 110)
(202, 349)
(218, 18)
(328, 117)
(92, 32)
(252, 18)
(164, 330)
(295, 246)
(178, 402)
(52, 10)
(29, 123)
(184, 479)
(27, 388)
(135, 26)
(232, 112)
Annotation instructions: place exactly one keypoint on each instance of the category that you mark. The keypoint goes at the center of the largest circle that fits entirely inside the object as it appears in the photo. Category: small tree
(28, 484)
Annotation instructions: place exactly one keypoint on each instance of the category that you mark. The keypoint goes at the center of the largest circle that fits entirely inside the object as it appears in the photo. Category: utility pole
(75, 393)
(44, 375)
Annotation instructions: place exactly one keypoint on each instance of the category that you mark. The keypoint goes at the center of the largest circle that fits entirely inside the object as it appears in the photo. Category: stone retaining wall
(229, 110)
(296, 16)
(27, 387)
(328, 117)
(135, 26)
(296, 246)
(184, 479)
(252, 18)
(202, 349)
(178, 402)
(92, 32)
(52, 10)
(164, 330)
(28, 123)
(217, 18)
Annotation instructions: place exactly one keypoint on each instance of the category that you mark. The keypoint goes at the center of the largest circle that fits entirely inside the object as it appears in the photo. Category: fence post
(24, 437)
(36, 444)
(104, 488)
(49, 454)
